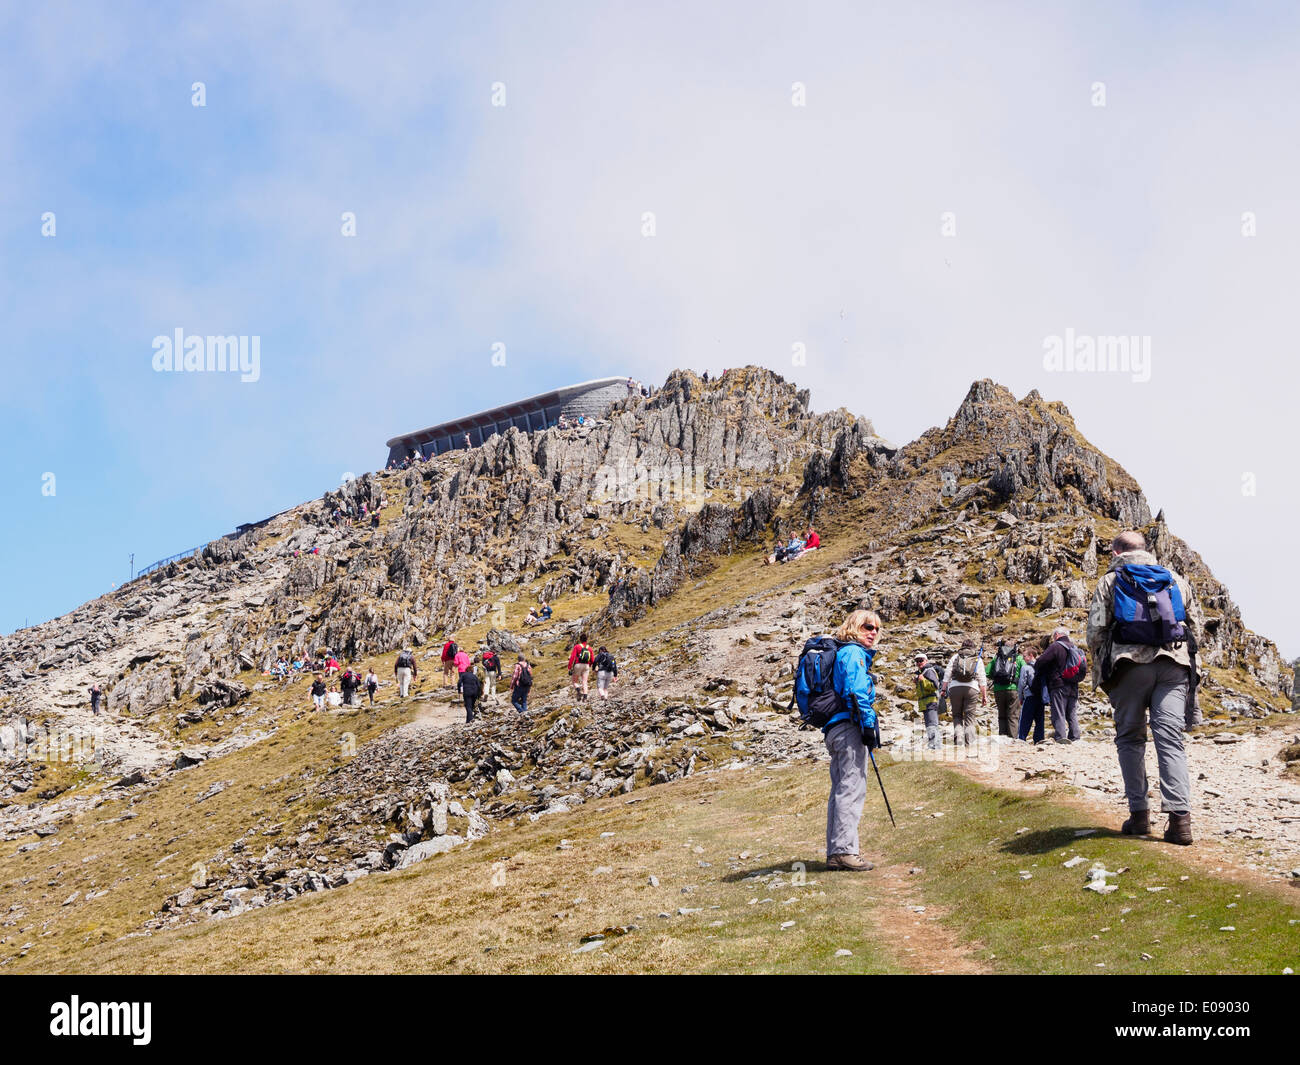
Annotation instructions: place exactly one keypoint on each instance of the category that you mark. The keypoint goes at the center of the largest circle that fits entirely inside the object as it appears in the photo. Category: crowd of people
(1144, 624)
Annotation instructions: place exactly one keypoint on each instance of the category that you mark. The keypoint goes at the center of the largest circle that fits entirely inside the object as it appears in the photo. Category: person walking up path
(491, 674)
(928, 683)
(1003, 672)
(1062, 666)
(449, 650)
(521, 683)
(405, 669)
(580, 665)
(606, 672)
(1144, 627)
(372, 683)
(470, 688)
(962, 679)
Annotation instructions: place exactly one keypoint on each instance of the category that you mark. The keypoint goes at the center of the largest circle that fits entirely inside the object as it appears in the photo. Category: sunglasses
(870, 628)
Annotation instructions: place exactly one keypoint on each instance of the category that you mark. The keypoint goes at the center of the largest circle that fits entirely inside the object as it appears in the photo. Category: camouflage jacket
(1100, 616)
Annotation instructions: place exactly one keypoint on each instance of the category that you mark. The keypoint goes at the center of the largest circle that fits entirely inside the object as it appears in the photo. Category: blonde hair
(851, 629)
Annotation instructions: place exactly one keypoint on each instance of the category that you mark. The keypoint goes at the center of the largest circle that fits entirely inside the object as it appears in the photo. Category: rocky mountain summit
(645, 529)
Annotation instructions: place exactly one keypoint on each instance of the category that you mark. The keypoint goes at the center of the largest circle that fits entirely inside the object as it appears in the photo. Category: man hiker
(349, 682)
(449, 650)
(1003, 672)
(1144, 625)
(928, 683)
(963, 677)
(580, 665)
(470, 688)
(1030, 691)
(606, 672)
(847, 707)
(318, 692)
(1062, 666)
(95, 696)
(521, 682)
(404, 669)
(491, 674)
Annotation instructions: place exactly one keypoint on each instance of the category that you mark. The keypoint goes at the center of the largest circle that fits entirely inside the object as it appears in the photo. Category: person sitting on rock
(545, 612)
(532, 618)
(812, 541)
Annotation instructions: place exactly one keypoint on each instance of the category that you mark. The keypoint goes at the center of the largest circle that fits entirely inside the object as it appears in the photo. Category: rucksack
(584, 656)
(1147, 606)
(490, 662)
(1004, 666)
(449, 650)
(525, 680)
(1075, 665)
(814, 690)
(404, 660)
(964, 669)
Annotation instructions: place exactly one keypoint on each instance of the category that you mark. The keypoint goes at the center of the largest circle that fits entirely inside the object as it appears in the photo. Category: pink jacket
(462, 661)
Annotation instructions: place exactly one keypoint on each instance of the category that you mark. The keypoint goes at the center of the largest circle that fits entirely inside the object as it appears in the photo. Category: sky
(882, 202)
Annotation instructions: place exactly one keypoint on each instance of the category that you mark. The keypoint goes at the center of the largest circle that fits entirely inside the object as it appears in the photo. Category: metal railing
(169, 559)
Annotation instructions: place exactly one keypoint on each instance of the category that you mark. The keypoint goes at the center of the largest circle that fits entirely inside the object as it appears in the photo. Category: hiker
(1144, 625)
(1032, 692)
(845, 710)
(405, 669)
(462, 662)
(928, 683)
(467, 443)
(961, 679)
(811, 539)
(1003, 670)
(318, 692)
(449, 650)
(333, 697)
(469, 686)
(491, 674)
(331, 664)
(791, 550)
(96, 694)
(349, 682)
(546, 611)
(606, 672)
(532, 618)
(1062, 666)
(372, 683)
(521, 683)
(580, 665)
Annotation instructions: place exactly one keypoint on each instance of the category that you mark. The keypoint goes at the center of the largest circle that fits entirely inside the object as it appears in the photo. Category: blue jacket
(1025, 684)
(853, 684)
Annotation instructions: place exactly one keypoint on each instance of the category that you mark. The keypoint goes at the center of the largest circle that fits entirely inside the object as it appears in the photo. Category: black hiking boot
(1179, 830)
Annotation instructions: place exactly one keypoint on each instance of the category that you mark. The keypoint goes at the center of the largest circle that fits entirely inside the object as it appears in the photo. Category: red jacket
(573, 655)
(813, 541)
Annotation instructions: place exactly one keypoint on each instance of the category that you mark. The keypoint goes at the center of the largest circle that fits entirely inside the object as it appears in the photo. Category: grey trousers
(1008, 712)
(1065, 710)
(964, 702)
(931, 715)
(848, 788)
(1160, 689)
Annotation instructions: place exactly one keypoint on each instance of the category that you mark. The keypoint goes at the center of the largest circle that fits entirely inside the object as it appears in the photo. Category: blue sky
(521, 224)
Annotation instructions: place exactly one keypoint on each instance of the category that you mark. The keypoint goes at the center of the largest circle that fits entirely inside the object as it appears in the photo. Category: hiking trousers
(931, 714)
(1007, 706)
(1156, 690)
(1031, 713)
(470, 700)
(519, 700)
(489, 685)
(403, 680)
(848, 787)
(1065, 710)
(964, 702)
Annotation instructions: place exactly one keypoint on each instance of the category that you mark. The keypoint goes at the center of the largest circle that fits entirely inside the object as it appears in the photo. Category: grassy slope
(448, 915)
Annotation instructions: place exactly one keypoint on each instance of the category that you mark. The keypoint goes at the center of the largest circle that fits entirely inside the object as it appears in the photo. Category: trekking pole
(872, 756)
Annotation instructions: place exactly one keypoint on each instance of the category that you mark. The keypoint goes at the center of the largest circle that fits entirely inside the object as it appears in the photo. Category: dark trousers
(470, 700)
(519, 700)
(1006, 703)
(371, 693)
(1065, 710)
(1031, 713)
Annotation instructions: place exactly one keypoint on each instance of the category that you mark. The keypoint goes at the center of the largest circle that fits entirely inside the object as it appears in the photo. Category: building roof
(507, 410)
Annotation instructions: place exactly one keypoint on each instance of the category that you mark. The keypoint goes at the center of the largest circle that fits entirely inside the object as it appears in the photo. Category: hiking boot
(849, 862)
(1179, 830)
(1138, 823)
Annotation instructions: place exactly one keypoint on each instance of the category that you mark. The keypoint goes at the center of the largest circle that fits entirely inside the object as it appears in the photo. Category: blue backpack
(814, 690)
(1147, 606)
